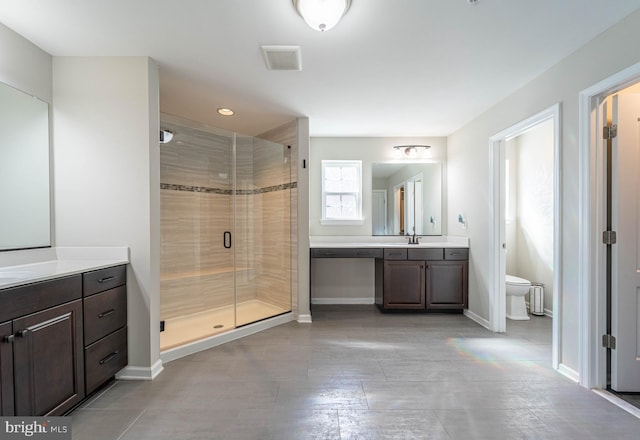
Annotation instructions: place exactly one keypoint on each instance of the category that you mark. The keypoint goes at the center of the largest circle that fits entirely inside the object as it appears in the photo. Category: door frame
(592, 255)
(386, 214)
(497, 287)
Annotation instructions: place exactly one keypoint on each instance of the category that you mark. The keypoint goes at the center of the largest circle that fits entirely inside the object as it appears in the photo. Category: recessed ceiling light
(225, 111)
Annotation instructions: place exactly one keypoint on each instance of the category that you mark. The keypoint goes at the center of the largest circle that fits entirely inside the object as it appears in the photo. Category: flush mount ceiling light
(225, 111)
(322, 15)
(413, 151)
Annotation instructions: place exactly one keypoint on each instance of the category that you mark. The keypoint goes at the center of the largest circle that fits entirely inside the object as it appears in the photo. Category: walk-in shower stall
(225, 204)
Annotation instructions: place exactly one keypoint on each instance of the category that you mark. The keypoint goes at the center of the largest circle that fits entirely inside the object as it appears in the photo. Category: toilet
(517, 288)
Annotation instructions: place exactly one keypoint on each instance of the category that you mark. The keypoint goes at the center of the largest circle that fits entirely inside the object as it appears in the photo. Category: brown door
(48, 360)
(6, 369)
(447, 284)
(404, 285)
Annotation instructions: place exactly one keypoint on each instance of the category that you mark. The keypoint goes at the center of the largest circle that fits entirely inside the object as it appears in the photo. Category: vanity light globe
(322, 15)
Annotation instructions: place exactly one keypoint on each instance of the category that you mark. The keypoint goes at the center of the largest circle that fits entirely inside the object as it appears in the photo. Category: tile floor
(358, 374)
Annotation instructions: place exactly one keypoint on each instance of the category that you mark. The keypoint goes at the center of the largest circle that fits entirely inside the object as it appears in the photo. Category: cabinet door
(404, 285)
(48, 360)
(6, 369)
(447, 284)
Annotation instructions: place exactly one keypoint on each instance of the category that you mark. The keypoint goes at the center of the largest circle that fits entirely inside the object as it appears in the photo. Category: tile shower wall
(196, 208)
(287, 135)
(196, 202)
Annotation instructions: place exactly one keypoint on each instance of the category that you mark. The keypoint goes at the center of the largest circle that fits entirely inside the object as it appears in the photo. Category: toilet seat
(510, 279)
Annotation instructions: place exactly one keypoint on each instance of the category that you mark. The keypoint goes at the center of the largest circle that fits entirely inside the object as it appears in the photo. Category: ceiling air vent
(282, 57)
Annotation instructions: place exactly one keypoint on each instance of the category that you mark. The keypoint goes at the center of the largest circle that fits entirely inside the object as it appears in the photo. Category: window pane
(341, 187)
(350, 173)
(333, 186)
(332, 173)
(348, 212)
(349, 200)
(333, 212)
(334, 201)
(349, 186)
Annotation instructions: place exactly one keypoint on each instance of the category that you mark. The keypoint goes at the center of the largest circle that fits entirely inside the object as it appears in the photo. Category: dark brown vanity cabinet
(105, 324)
(42, 339)
(60, 340)
(447, 285)
(47, 358)
(404, 285)
(425, 279)
(6, 369)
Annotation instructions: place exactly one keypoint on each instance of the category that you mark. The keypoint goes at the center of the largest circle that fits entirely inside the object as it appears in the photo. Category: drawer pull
(109, 358)
(455, 253)
(395, 253)
(23, 333)
(363, 254)
(329, 254)
(107, 313)
(8, 339)
(104, 280)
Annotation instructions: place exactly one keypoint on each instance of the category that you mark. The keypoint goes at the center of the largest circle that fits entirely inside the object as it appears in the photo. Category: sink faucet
(414, 239)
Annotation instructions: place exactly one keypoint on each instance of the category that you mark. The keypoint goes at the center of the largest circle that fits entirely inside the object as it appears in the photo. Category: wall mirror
(407, 198)
(25, 219)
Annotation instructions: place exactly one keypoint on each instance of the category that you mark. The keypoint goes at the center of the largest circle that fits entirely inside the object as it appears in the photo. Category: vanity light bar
(413, 151)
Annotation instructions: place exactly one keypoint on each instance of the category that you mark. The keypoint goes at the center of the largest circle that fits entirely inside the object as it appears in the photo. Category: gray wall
(106, 177)
(469, 174)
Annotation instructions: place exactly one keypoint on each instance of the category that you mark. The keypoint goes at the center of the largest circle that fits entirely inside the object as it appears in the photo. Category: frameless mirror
(406, 198)
(24, 171)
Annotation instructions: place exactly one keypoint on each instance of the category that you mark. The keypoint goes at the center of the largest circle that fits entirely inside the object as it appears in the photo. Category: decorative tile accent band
(240, 192)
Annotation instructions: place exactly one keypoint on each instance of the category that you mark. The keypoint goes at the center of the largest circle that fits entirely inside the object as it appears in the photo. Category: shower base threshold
(189, 328)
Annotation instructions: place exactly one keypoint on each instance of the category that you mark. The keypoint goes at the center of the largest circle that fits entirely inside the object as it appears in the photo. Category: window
(341, 191)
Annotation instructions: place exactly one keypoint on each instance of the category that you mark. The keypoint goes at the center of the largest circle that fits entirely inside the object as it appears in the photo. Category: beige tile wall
(197, 272)
(287, 135)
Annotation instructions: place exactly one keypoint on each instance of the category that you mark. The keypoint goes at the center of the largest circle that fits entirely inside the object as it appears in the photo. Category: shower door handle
(226, 241)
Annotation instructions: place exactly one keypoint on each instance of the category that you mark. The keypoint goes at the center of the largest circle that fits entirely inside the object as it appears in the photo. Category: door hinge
(609, 341)
(609, 237)
(609, 132)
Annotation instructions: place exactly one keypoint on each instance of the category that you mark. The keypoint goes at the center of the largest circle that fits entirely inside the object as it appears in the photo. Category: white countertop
(387, 242)
(59, 262)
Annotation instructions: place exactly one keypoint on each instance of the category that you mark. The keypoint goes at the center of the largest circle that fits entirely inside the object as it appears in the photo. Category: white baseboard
(547, 312)
(213, 341)
(477, 318)
(140, 373)
(366, 300)
(304, 319)
(569, 373)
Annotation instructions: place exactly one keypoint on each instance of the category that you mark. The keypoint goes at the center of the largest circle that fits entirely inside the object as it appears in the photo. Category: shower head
(166, 136)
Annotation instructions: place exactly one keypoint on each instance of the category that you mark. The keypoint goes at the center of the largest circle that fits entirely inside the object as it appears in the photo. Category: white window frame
(358, 220)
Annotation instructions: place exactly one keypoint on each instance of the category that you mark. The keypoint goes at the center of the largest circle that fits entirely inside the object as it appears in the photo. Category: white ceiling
(389, 68)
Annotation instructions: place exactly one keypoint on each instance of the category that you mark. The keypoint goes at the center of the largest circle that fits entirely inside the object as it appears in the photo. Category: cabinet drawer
(395, 254)
(23, 300)
(425, 254)
(103, 279)
(346, 253)
(105, 358)
(456, 254)
(104, 313)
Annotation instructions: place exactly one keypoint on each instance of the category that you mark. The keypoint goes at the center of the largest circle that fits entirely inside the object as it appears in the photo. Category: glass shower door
(262, 229)
(225, 207)
(197, 296)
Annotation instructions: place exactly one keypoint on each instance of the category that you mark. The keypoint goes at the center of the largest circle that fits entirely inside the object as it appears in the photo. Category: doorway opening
(593, 252)
(517, 219)
(618, 117)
